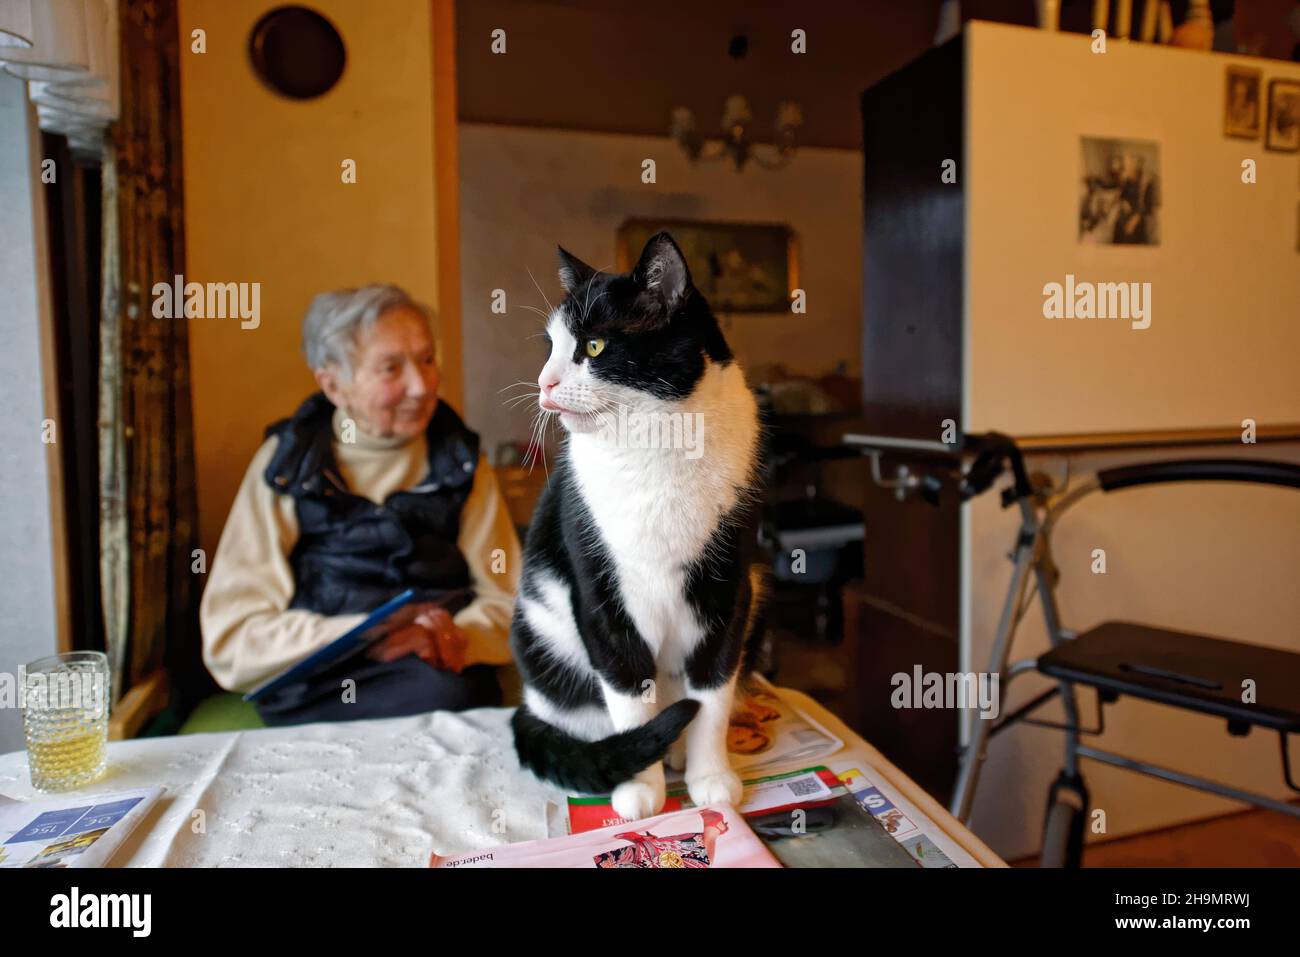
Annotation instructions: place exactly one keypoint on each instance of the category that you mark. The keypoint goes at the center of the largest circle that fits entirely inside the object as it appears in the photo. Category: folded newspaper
(927, 844)
(72, 830)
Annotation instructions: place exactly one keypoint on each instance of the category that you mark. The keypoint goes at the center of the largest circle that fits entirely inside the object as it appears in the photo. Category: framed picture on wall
(1241, 110)
(1119, 200)
(1283, 131)
(739, 267)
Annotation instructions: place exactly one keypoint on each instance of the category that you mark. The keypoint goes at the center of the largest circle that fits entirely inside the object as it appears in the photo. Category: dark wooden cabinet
(906, 612)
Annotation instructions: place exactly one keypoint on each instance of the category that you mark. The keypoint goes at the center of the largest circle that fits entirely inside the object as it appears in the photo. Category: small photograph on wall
(1283, 116)
(1241, 110)
(739, 267)
(1119, 192)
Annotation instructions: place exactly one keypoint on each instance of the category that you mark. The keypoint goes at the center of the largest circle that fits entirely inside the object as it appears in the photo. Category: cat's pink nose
(547, 383)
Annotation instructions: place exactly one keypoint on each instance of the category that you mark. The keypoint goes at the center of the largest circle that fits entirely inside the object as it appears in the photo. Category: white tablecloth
(360, 793)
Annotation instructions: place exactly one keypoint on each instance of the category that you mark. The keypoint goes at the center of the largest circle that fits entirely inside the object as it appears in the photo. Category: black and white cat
(636, 605)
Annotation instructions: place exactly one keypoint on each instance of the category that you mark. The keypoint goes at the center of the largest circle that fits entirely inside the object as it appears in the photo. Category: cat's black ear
(574, 273)
(662, 271)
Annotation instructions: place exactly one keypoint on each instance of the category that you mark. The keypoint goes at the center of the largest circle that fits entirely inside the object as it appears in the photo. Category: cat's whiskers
(531, 454)
(519, 400)
(603, 416)
(610, 400)
(530, 392)
(546, 316)
(525, 383)
(597, 299)
(537, 441)
(586, 308)
(539, 289)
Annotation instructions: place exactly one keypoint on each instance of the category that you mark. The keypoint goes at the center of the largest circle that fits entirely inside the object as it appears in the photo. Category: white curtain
(67, 52)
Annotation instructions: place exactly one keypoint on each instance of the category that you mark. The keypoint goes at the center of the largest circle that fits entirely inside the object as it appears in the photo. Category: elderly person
(373, 486)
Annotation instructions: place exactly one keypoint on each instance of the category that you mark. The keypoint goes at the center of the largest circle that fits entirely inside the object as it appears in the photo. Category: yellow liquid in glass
(66, 758)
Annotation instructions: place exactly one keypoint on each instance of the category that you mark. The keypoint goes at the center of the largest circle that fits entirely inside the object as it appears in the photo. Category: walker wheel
(1067, 804)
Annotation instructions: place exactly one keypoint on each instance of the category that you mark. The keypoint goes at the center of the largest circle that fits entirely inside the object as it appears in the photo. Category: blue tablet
(377, 624)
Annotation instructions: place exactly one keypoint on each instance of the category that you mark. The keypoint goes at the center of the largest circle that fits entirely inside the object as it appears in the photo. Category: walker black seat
(1184, 670)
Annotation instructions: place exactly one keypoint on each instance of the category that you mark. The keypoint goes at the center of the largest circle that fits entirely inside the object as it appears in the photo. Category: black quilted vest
(352, 554)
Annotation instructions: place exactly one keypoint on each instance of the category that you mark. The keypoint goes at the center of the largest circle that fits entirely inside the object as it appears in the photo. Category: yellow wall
(265, 203)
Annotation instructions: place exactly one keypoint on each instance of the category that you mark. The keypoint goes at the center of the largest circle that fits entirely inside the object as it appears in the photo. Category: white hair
(336, 321)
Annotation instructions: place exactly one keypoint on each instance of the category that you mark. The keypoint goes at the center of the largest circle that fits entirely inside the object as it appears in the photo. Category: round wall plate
(297, 52)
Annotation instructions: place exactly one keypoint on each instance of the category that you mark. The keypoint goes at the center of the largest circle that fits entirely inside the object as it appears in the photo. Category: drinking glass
(65, 717)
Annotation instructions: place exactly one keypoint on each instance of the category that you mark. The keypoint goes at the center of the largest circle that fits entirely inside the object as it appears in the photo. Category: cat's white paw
(717, 788)
(637, 799)
(676, 756)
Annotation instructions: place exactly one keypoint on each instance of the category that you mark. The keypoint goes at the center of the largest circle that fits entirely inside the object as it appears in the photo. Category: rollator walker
(1184, 670)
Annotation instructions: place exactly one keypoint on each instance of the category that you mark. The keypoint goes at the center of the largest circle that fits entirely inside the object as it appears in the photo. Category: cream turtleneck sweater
(249, 633)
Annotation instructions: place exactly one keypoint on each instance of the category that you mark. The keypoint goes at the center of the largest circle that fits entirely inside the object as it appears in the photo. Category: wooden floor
(1247, 839)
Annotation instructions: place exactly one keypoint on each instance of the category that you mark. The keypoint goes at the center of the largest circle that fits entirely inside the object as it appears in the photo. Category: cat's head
(627, 339)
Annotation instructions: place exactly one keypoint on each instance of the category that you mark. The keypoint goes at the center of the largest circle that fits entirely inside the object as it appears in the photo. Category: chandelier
(736, 141)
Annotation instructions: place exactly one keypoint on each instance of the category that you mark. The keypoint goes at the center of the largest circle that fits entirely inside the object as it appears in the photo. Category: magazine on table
(71, 830)
(712, 836)
(766, 731)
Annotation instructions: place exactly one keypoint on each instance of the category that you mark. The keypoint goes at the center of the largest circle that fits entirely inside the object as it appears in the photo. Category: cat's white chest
(652, 531)
(656, 511)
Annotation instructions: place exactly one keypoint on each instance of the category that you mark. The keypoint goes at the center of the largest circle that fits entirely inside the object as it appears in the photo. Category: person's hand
(433, 636)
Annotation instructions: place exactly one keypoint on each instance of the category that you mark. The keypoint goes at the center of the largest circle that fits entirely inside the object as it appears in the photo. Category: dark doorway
(73, 217)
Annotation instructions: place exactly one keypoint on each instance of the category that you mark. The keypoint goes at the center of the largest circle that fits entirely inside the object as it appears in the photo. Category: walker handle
(1200, 470)
(992, 450)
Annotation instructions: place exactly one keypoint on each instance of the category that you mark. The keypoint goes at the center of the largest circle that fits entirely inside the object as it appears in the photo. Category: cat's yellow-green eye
(595, 347)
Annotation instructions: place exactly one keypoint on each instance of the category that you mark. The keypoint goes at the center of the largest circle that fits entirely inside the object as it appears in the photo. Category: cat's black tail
(597, 767)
